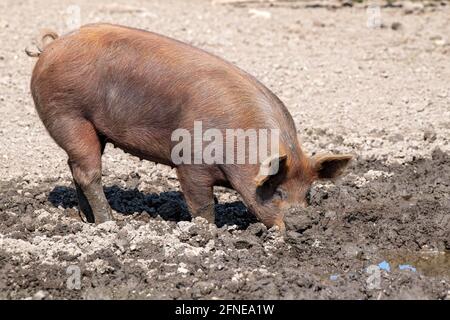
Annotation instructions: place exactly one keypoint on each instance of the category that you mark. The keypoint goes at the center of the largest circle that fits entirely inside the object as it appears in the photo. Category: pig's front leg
(197, 186)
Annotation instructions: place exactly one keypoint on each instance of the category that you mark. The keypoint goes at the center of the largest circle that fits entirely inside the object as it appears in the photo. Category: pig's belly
(144, 144)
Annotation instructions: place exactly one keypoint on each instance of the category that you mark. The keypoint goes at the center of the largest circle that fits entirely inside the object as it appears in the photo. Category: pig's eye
(280, 194)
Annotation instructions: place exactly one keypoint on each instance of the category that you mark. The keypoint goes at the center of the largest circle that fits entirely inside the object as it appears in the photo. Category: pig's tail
(45, 37)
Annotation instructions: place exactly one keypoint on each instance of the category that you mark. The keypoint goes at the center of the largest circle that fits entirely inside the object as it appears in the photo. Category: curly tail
(45, 37)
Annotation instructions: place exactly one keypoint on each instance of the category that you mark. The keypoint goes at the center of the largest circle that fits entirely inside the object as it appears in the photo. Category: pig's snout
(286, 214)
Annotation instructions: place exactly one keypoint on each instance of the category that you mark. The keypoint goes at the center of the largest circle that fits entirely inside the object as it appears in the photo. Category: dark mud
(379, 212)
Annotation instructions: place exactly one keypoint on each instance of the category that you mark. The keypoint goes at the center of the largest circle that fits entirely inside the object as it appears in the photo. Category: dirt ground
(380, 232)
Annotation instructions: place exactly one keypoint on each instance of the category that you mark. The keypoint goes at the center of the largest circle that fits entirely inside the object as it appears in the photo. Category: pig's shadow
(167, 205)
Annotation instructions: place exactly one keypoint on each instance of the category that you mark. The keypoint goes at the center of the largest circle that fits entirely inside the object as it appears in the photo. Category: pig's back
(129, 81)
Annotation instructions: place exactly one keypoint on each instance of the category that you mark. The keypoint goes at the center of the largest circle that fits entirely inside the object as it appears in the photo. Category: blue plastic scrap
(384, 266)
(334, 277)
(407, 267)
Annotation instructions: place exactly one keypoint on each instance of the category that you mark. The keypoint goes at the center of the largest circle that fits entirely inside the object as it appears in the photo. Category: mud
(380, 232)
(396, 213)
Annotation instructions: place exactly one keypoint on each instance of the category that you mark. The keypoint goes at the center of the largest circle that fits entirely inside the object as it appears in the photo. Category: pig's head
(283, 183)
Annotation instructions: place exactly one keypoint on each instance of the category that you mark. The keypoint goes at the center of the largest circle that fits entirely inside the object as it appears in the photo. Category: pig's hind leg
(197, 186)
(84, 147)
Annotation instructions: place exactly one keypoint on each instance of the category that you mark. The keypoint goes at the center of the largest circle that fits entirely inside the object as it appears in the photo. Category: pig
(108, 83)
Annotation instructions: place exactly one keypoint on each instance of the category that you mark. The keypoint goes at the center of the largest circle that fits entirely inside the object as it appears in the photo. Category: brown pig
(107, 83)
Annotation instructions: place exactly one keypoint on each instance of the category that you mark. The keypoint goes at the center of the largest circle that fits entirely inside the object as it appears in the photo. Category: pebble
(108, 226)
(255, 13)
(396, 26)
(182, 268)
(429, 135)
(41, 294)
(412, 7)
(184, 226)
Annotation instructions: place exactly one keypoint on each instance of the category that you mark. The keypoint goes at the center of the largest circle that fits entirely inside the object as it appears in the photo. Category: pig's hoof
(103, 218)
(277, 226)
(277, 229)
(97, 222)
(206, 212)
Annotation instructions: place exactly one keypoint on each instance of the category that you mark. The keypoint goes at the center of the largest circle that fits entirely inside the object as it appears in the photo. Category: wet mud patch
(378, 215)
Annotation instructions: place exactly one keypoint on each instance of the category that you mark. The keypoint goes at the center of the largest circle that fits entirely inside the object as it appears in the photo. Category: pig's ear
(269, 168)
(330, 166)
